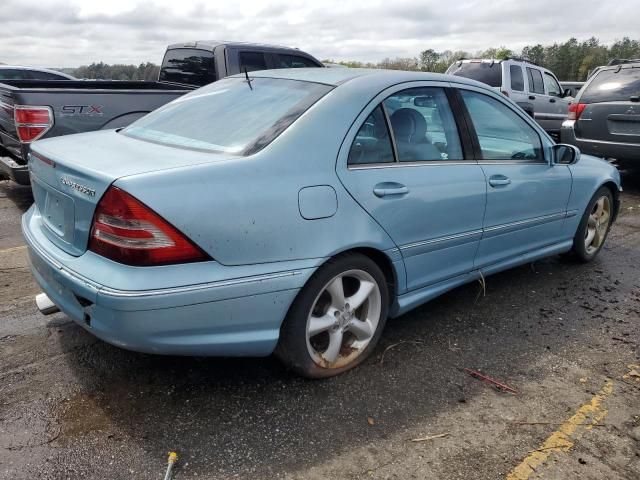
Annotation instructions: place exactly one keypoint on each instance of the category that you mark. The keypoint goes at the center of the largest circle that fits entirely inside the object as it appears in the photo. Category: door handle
(499, 180)
(552, 100)
(388, 189)
(531, 97)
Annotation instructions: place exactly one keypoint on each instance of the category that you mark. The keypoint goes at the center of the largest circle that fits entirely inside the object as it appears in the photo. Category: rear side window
(189, 66)
(252, 61)
(536, 84)
(517, 79)
(485, 72)
(609, 86)
(12, 74)
(35, 75)
(229, 116)
(293, 61)
(372, 143)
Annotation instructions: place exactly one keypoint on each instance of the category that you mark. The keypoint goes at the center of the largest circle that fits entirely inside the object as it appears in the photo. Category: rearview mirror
(564, 154)
(424, 102)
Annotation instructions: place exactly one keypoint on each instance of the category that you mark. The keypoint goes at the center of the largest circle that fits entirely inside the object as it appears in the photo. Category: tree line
(570, 60)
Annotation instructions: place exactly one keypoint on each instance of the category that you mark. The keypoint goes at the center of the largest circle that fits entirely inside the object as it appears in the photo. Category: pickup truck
(34, 109)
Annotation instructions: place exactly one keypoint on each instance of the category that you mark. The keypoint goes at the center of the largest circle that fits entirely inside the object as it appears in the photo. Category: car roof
(338, 76)
(36, 69)
(211, 44)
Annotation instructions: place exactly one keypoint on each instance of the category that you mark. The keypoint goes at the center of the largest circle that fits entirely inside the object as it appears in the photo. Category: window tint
(189, 66)
(372, 143)
(553, 88)
(293, 61)
(609, 86)
(502, 133)
(486, 72)
(228, 116)
(35, 75)
(423, 125)
(535, 81)
(517, 79)
(11, 74)
(252, 61)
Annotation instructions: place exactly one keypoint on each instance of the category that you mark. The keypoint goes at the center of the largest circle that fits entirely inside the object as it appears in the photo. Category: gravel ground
(563, 335)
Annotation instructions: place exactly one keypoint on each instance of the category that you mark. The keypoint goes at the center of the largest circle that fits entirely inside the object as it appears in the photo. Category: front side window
(252, 61)
(536, 84)
(9, 74)
(502, 133)
(613, 86)
(293, 61)
(229, 115)
(190, 66)
(553, 87)
(517, 79)
(423, 125)
(372, 143)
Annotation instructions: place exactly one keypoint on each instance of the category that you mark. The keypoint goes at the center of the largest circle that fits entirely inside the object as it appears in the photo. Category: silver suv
(532, 87)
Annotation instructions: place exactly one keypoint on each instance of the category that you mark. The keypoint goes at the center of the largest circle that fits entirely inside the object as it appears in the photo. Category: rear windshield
(230, 116)
(609, 86)
(489, 73)
(190, 66)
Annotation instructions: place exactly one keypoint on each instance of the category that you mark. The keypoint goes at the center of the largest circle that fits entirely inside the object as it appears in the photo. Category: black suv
(604, 119)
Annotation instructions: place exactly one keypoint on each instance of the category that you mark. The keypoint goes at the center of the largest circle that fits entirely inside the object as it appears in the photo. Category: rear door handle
(499, 180)
(531, 97)
(388, 189)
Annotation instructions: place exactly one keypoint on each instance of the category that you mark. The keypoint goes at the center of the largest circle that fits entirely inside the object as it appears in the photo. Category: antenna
(248, 80)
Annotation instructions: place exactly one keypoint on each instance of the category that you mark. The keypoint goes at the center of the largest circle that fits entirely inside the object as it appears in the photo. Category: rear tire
(594, 226)
(337, 318)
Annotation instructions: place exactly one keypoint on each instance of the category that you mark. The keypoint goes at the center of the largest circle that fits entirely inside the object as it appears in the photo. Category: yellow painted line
(561, 440)
(13, 249)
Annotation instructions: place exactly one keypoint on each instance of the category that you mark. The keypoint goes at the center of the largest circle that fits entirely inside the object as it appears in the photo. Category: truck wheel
(594, 226)
(337, 318)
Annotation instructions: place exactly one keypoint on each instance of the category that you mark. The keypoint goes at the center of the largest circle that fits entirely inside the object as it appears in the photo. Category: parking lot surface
(564, 336)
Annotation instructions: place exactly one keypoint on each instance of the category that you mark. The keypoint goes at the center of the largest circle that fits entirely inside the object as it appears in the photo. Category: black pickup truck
(34, 109)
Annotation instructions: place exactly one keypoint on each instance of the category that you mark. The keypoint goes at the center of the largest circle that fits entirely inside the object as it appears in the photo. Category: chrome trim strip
(529, 221)
(513, 162)
(440, 239)
(112, 292)
(571, 213)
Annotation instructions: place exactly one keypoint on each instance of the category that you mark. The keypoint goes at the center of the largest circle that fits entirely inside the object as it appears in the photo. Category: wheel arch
(615, 192)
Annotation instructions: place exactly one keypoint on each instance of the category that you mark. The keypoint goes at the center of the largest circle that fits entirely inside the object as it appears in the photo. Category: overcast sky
(69, 33)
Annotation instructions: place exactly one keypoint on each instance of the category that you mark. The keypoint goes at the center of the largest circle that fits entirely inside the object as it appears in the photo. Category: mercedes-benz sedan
(295, 210)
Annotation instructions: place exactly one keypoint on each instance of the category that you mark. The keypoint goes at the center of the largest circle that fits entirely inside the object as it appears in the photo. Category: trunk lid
(70, 174)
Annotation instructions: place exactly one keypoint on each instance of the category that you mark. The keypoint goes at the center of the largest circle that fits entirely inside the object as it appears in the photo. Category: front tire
(337, 318)
(594, 226)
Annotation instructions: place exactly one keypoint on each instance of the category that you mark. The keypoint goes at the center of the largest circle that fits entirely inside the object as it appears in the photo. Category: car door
(526, 195)
(406, 162)
(538, 97)
(558, 106)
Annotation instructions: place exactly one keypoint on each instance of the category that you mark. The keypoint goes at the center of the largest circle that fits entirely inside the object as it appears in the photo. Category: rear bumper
(234, 317)
(16, 172)
(626, 152)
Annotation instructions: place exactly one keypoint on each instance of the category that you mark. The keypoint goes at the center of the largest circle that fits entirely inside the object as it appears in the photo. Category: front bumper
(14, 171)
(625, 152)
(232, 317)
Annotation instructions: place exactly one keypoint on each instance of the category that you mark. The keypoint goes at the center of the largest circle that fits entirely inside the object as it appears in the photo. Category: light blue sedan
(295, 210)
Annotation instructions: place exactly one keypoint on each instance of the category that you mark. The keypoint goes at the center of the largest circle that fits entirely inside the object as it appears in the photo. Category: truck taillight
(32, 122)
(127, 231)
(575, 110)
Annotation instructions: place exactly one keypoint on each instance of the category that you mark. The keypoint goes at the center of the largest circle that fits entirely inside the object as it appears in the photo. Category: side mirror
(564, 154)
(566, 93)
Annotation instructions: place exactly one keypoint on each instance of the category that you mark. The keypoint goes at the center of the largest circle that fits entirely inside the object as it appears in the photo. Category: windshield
(613, 86)
(230, 115)
(485, 72)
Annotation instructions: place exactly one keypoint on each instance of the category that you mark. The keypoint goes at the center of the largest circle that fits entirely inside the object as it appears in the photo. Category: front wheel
(337, 318)
(594, 226)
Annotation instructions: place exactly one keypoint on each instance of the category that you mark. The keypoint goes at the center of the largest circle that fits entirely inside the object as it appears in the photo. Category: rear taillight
(127, 231)
(32, 122)
(575, 110)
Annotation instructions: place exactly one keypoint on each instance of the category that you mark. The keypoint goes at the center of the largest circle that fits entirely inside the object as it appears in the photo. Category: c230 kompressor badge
(77, 186)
